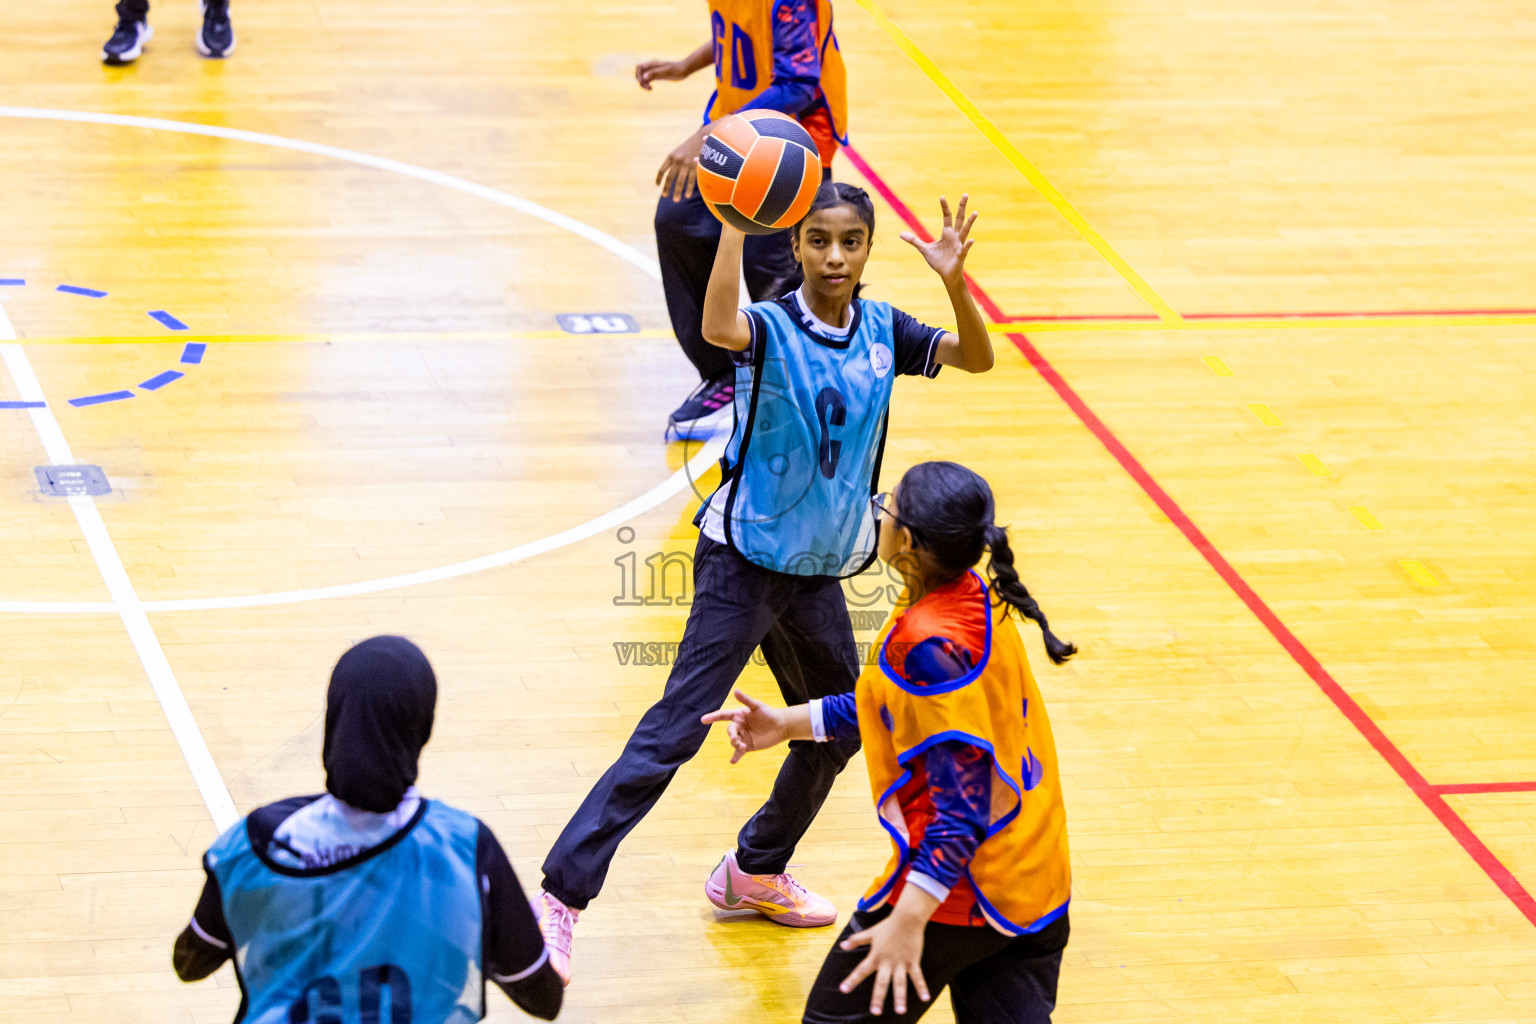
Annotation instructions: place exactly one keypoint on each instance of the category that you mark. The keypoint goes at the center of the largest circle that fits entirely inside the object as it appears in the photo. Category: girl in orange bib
(963, 771)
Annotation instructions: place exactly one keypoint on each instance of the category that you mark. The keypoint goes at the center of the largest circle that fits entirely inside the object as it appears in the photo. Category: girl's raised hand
(946, 254)
(755, 727)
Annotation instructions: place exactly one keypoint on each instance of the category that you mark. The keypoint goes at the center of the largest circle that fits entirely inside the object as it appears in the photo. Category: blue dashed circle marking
(191, 354)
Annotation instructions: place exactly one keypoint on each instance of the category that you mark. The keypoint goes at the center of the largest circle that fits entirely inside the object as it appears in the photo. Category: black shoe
(127, 42)
(217, 36)
(707, 412)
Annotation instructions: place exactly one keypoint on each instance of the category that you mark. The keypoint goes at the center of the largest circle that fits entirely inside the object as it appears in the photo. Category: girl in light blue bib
(814, 370)
(368, 902)
(813, 389)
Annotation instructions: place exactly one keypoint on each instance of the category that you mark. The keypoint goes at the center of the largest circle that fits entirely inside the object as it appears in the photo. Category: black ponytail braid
(1011, 591)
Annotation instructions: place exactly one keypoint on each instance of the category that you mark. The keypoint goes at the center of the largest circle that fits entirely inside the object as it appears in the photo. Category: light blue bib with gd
(810, 430)
(393, 939)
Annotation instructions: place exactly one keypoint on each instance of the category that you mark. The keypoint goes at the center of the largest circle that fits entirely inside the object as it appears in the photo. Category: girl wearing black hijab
(333, 905)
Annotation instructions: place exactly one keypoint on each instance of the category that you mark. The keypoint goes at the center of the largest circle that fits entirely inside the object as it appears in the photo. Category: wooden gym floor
(1265, 441)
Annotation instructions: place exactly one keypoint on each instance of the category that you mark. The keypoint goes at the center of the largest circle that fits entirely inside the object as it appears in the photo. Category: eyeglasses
(881, 505)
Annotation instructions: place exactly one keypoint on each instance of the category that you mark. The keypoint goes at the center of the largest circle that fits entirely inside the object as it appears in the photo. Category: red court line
(1428, 314)
(1431, 798)
(1151, 317)
(1485, 787)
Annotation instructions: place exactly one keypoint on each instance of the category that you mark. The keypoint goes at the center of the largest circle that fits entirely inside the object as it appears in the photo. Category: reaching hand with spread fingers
(758, 726)
(946, 254)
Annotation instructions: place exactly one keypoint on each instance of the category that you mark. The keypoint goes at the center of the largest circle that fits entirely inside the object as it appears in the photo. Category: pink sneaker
(779, 898)
(556, 921)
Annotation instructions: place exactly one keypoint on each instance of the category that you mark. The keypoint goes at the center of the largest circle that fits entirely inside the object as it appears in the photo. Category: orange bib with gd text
(743, 35)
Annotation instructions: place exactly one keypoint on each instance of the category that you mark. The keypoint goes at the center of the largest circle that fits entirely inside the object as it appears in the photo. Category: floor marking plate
(70, 481)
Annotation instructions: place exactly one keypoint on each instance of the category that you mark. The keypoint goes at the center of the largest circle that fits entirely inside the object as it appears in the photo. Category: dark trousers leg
(132, 10)
(811, 652)
(734, 606)
(687, 237)
(993, 979)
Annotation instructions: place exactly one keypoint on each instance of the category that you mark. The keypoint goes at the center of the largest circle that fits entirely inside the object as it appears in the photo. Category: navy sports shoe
(707, 412)
(127, 42)
(216, 37)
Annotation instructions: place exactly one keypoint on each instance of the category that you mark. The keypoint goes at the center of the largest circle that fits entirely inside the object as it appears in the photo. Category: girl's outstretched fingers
(752, 703)
(754, 727)
(920, 983)
(735, 714)
(882, 984)
(966, 222)
(739, 744)
(866, 966)
(851, 943)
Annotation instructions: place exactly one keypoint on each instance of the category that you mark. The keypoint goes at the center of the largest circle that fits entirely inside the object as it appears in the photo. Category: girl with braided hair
(964, 776)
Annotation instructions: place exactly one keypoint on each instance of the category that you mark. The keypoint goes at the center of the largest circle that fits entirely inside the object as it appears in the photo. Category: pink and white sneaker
(556, 921)
(779, 898)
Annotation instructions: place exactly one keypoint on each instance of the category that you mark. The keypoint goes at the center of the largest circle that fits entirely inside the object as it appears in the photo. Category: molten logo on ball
(759, 171)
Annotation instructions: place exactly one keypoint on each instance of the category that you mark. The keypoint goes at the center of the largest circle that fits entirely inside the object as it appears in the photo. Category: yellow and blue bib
(1021, 874)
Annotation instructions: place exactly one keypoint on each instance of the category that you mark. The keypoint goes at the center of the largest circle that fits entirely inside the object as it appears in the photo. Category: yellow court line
(1218, 366)
(1259, 323)
(387, 336)
(1416, 572)
(1266, 416)
(1031, 173)
(1363, 514)
(1315, 465)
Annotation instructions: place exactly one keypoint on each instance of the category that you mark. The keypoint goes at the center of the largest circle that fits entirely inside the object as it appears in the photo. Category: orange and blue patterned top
(780, 55)
(962, 763)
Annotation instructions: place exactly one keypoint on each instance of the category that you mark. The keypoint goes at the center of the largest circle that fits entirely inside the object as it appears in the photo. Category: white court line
(674, 485)
(124, 600)
(622, 250)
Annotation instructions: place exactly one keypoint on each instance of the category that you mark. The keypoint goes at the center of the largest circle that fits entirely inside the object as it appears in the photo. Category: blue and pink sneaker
(707, 412)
